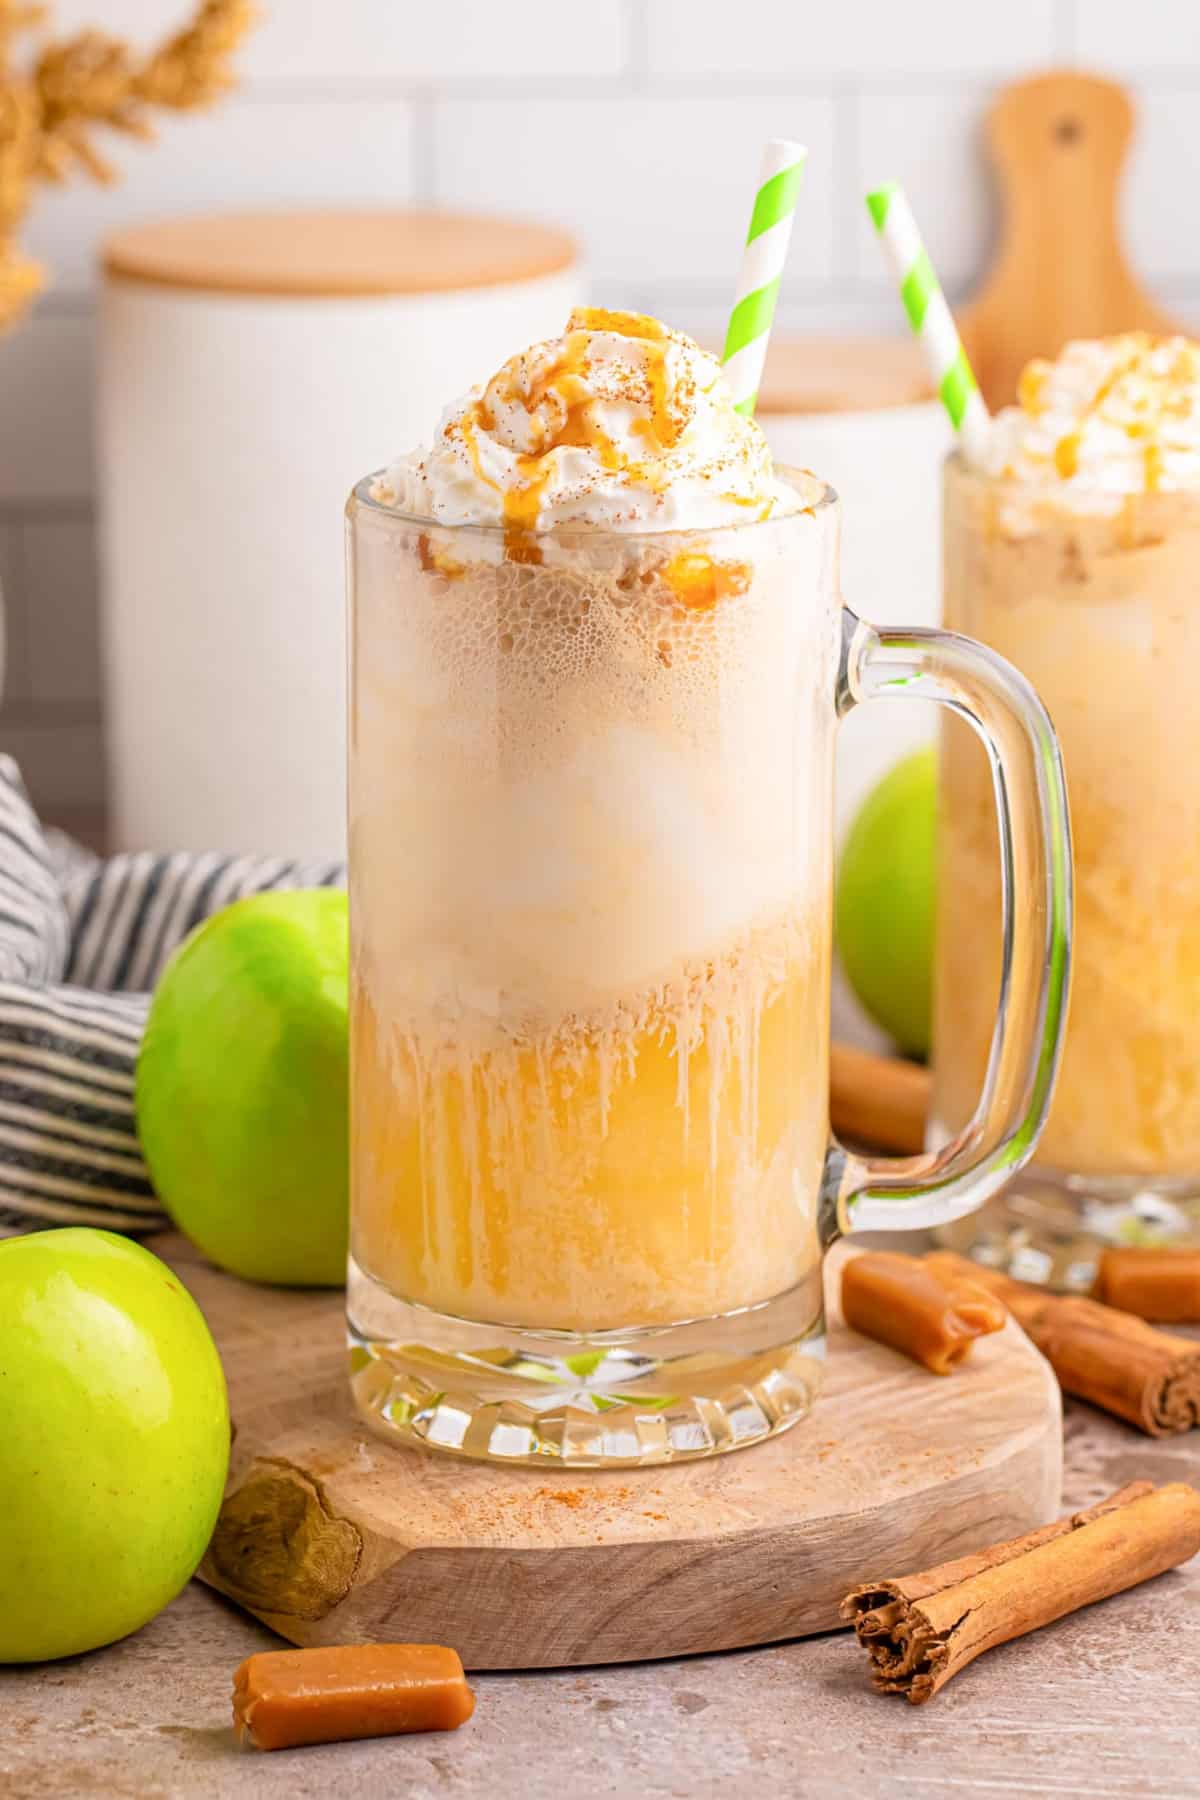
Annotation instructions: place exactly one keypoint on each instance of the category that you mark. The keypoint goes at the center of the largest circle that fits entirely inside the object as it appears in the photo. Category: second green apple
(885, 901)
(242, 1088)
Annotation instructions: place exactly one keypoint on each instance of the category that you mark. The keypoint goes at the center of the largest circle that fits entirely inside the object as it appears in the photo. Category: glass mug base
(1049, 1227)
(607, 1399)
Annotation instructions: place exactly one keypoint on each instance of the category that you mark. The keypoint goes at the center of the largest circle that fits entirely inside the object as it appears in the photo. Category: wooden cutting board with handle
(1059, 144)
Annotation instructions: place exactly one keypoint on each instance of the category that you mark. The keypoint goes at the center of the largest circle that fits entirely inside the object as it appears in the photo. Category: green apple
(114, 1440)
(242, 1088)
(885, 900)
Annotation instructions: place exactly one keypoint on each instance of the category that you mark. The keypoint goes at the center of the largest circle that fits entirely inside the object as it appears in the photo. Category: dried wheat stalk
(84, 84)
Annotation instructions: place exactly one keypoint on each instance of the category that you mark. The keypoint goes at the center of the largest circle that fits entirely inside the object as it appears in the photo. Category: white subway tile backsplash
(1164, 167)
(245, 154)
(856, 40)
(831, 315)
(452, 40)
(314, 41)
(58, 587)
(46, 409)
(1120, 38)
(636, 123)
(657, 187)
(140, 22)
(933, 144)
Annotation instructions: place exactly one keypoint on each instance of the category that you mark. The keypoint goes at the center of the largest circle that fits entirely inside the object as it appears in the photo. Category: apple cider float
(598, 657)
(590, 976)
(1076, 555)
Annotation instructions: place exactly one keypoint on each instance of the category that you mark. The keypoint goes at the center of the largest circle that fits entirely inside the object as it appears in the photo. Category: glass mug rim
(824, 497)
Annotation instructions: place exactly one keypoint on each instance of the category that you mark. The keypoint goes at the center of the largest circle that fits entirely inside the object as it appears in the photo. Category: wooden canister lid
(336, 253)
(823, 375)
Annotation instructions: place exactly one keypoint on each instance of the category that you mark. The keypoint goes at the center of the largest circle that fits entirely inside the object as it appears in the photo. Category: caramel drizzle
(561, 404)
(699, 583)
(1066, 455)
(1166, 397)
(565, 386)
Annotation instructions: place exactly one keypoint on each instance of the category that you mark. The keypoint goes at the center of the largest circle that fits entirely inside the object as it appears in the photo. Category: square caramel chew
(901, 1301)
(283, 1698)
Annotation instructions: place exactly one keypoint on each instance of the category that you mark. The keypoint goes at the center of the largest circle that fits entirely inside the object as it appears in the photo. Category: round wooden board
(330, 1535)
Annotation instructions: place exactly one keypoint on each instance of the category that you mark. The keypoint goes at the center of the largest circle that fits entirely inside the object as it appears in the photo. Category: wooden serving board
(330, 1535)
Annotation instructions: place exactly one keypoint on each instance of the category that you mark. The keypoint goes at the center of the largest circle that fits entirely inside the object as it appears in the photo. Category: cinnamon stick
(282, 1698)
(898, 1300)
(1163, 1285)
(1115, 1361)
(878, 1100)
(922, 1629)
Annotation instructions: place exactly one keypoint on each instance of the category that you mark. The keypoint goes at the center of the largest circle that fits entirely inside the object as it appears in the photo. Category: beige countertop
(1103, 1704)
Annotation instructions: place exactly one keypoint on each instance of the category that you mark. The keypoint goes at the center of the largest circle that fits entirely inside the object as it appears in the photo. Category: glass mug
(1095, 602)
(590, 891)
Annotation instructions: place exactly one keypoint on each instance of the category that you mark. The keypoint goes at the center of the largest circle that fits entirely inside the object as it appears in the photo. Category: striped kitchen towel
(82, 942)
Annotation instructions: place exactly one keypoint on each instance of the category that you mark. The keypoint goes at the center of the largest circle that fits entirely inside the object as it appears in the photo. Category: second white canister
(252, 367)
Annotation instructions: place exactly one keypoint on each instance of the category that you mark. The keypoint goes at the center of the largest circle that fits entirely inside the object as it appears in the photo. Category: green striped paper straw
(762, 266)
(930, 318)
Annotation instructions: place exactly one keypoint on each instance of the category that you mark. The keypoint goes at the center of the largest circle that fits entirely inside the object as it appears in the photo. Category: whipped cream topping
(1110, 417)
(620, 423)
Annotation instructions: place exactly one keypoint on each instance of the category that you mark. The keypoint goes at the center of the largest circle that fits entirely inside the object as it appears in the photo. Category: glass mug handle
(882, 1193)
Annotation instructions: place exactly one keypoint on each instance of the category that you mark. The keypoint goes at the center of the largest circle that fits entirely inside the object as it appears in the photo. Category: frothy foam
(602, 750)
(620, 423)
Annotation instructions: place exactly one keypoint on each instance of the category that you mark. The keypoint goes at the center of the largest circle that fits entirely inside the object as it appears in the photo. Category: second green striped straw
(931, 319)
(762, 265)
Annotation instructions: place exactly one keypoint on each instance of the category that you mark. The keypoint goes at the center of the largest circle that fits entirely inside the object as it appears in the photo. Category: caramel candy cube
(283, 1698)
(898, 1301)
(1158, 1284)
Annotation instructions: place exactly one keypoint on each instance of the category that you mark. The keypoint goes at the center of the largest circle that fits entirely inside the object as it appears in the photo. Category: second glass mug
(1093, 596)
(591, 845)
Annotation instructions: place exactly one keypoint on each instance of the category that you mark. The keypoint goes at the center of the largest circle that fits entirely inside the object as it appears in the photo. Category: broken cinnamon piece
(878, 1100)
(283, 1698)
(1107, 1357)
(1150, 1377)
(897, 1300)
(922, 1629)
(1162, 1285)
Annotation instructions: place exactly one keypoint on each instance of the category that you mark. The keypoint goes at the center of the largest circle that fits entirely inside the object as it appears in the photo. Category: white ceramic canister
(252, 367)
